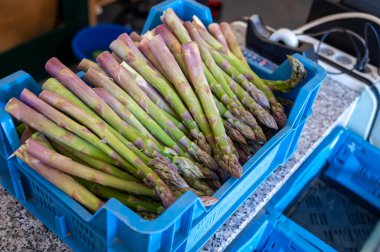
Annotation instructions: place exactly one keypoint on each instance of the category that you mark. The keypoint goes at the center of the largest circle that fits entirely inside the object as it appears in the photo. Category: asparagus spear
(249, 133)
(99, 81)
(67, 123)
(243, 96)
(66, 165)
(232, 42)
(42, 140)
(233, 133)
(149, 90)
(131, 201)
(28, 132)
(97, 164)
(186, 167)
(122, 78)
(227, 61)
(175, 47)
(121, 111)
(173, 72)
(173, 44)
(200, 185)
(135, 37)
(129, 42)
(261, 114)
(251, 76)
(62, 181)
(298, 74)
(176, 25)
(99, 128)
(216, 31)
(160, 83)
(144, 48)
(56, 87)
(226, 95)
(83, 91)
(29, 116)
(21, 128)
(191, 55)
(86, 64)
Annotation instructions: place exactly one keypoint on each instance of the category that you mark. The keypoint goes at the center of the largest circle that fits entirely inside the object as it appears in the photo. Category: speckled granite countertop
(20, 231)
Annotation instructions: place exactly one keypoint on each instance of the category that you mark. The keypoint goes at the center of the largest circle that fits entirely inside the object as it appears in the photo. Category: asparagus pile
(174, 110)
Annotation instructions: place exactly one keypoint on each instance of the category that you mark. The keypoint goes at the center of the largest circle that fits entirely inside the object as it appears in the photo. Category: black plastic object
(257, 39)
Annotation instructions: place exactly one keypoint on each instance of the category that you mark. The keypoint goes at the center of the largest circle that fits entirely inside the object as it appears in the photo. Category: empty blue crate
(187, 224)
(332, 203)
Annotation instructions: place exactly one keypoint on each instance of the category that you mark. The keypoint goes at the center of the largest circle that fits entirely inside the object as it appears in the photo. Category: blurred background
(33, 31)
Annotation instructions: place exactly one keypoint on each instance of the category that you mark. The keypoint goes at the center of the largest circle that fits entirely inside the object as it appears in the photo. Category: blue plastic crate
(186, 225)
(330, 204)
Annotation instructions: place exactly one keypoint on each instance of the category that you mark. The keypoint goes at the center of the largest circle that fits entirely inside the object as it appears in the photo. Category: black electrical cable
(349, 34)
(376, 34)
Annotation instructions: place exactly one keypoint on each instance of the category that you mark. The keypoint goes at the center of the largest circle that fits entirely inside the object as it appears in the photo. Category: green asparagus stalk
(21, 128)
(255, 134)
(121, 110)
(97, 164)
(187, 167)
(149, 90)
(86, 64)
(225, 94)
(207, 173)
(67, 123)
(99, 128)
(56, 87)
(122, 78)
(131, 201)
(216, 31)
(125, 113)
(176, 25)
(251, 76)
(159, 82)
(261, 114)
(200, 185)
(298, 74)
(221, 54)
(98, 80)
(173, 44)
(28, 132)
(191, 55)
(174, 73)
(135, 37)
(42, 140)
(62, 181)
(87, 120)
(144, 48)
(29, 116)
(129, 42)
(232, 42)
(214, 43)
(172, 118)
(225, 64)
(218, 90)
(208, 60)
(83, 91)
(233, 133)
(66, 165)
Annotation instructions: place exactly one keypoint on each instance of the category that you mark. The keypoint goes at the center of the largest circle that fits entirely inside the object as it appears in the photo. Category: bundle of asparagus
(177, 109)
